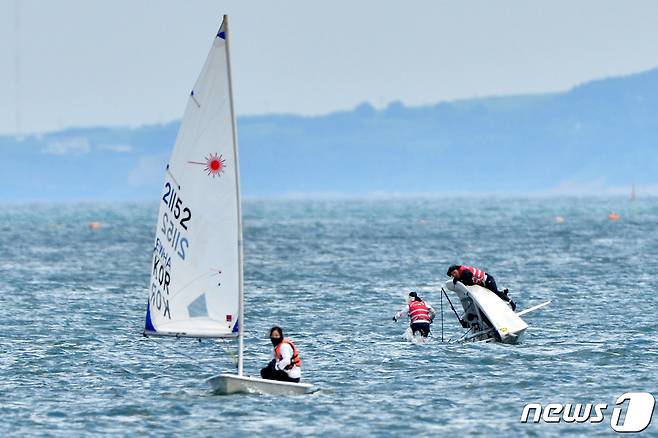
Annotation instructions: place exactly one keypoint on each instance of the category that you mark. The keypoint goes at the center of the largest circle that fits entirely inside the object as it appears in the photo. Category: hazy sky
(130, 62)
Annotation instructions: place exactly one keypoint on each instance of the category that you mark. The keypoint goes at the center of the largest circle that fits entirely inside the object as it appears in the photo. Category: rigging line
(464, 335)
(231, 354)
(194, 99)
(441, 317)
(173, 178)
(453, 307)
(480, 333)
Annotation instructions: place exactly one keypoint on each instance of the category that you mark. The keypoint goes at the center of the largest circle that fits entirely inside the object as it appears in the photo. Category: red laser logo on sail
(215, 165)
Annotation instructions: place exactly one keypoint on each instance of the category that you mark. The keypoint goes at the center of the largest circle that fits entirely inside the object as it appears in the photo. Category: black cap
(452, 268)
(415, 296)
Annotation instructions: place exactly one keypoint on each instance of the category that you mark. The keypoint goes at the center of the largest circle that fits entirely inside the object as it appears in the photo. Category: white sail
(196, 274)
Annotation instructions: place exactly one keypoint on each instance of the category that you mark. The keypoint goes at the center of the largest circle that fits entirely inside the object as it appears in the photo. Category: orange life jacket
(294, 360)
(419, 312)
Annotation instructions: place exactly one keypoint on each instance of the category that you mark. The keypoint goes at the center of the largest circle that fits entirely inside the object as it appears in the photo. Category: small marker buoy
(95, 225)
(614, 216)
(559, 219)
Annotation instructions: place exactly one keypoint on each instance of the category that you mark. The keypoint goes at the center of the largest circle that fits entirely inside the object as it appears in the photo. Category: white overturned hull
(480, 304)
(225, 384)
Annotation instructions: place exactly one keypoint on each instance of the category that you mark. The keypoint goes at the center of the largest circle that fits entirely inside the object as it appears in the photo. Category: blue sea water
(332, 273)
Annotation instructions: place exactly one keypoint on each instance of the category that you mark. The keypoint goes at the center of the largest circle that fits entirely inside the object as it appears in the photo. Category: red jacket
(478, 276)
(419, 312)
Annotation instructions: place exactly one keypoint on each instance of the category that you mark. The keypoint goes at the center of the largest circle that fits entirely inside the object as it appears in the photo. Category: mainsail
(196, 277)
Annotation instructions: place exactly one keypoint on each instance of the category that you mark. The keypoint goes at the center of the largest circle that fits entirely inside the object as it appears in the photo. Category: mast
(239, 206)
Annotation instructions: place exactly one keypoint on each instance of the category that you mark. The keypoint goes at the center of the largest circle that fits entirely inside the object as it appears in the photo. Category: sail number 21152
(174, 202)
(170, 225)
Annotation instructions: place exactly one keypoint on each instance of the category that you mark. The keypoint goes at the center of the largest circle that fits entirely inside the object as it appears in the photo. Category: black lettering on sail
(166, 282)
(166, 310)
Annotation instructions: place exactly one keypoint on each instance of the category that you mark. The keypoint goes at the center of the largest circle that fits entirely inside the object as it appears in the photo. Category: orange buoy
(613, 216)
(95, 225)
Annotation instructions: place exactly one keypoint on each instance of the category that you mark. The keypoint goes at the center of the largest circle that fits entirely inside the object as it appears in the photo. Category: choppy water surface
(332, 273)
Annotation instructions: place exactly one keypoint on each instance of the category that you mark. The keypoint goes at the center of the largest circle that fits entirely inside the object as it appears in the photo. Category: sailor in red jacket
(421, 314)
(469, 276)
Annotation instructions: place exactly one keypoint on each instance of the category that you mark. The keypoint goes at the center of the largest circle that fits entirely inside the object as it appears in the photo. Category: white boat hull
(480, 302)
(225, 384)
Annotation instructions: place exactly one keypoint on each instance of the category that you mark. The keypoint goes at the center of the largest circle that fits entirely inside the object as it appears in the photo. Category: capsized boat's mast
(227, 34)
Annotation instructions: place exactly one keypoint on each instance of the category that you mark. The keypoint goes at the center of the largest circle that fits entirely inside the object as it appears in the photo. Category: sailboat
(487, 317)
(197, 286)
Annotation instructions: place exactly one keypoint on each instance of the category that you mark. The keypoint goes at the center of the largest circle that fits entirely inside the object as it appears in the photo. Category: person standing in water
(286, 365)
(469, 276)
(421, 314)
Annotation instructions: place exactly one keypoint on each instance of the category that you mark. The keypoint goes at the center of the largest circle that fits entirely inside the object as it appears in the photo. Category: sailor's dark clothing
(466, 278)
(421, 327)
(271, 373)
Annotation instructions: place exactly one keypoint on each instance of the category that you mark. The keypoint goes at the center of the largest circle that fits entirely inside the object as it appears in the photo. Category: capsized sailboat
(196, 287)
(487, 317)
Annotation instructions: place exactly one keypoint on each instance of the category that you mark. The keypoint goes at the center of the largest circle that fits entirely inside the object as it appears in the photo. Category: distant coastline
(595, 139)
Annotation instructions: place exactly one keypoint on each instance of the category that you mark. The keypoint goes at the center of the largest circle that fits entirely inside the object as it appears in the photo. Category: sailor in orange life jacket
(286, 363)
(469, 276)
(420, 313)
